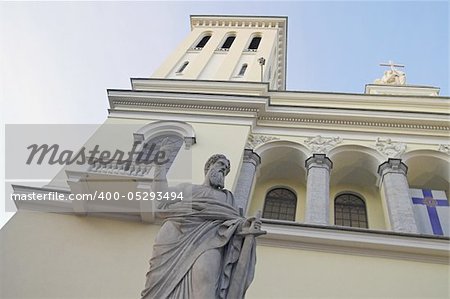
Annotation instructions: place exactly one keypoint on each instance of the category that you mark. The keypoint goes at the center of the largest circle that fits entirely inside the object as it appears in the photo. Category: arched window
(243, 69)
(350, 210)
(147, 141)
(254, 44)
(281, 204)
(181, 69)
(228, 42)
(202, 43)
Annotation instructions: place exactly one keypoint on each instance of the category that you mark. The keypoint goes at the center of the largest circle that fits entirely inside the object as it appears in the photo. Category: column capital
(393, 166)
(251, 157)
(319, 160)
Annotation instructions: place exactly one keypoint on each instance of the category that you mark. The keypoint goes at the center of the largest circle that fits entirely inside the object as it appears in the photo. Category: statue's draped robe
(204, 224)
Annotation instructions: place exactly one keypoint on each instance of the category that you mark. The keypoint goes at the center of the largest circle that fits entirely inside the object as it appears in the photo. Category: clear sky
(57, 59)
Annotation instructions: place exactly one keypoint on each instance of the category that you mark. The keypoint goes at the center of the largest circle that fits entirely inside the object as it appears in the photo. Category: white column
(244, 185)
(395, 192)
(318, 189)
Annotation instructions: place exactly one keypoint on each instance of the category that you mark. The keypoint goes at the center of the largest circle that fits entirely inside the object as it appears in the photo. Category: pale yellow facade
(293, 273)
(86, 253)
(50, 255)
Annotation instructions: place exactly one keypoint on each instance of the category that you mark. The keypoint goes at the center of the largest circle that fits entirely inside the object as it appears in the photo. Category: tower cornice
(238, 21)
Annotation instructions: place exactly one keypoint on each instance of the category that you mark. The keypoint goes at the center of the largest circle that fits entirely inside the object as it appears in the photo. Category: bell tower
(231, 48)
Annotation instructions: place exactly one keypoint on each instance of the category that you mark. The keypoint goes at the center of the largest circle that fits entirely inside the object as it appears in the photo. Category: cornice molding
(406, 89)
(266, 113)
(364, 243)
(387, 103)
(201, 86)
(405, 104)
(238, 21)
(71, 207)
(293, 235)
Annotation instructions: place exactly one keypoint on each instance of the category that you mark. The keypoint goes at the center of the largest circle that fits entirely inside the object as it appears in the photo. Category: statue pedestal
(406, 90)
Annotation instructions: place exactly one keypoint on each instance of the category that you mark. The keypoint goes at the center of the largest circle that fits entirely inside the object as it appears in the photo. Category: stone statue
(392, 76)
(205, 248)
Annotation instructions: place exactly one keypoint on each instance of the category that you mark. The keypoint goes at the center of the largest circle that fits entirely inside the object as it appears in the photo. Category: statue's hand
(252, 226)
(253, 221)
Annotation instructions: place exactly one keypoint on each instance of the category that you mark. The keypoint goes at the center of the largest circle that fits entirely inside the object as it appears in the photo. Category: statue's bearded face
(217, 173)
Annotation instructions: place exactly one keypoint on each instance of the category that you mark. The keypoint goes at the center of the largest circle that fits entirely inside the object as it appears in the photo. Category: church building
(352, 189)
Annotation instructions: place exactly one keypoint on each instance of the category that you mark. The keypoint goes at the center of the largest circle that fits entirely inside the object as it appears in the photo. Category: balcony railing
(125, 168)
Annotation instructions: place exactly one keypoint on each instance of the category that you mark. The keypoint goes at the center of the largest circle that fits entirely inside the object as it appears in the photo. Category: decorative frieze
(389, 148)
(352, 123)
(255, 140)
(149, 103)
(322, 145)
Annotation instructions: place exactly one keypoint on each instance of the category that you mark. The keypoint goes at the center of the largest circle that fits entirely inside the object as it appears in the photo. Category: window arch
(228, 42)
(350, 210)
(254, 44)
(202, 43)
(182, 67)
(147, 140)
(179, 128)
(280, 203)
(243, 69)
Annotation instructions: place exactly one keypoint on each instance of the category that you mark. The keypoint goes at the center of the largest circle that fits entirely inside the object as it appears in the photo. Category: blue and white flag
(431, 210)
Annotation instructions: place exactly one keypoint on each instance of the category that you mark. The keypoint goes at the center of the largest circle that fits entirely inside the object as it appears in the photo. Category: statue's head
(216, 168)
